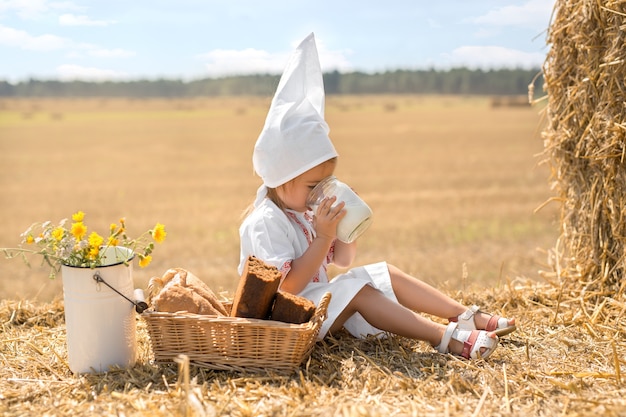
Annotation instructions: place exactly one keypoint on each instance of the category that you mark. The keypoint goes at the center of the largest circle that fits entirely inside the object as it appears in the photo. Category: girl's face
(294, 193)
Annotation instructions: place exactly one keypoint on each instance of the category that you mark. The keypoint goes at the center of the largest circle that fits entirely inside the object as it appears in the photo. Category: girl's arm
(344, 253)
(304, 267)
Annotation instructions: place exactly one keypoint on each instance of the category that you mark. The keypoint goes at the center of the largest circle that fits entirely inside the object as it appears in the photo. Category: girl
(292, 155)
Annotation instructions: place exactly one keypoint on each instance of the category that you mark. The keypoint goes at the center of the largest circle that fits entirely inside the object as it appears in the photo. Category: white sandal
(477, 344)
(499, 325)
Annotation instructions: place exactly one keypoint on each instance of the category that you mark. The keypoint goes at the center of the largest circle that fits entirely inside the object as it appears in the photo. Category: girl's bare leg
(418, 296)
(387, 315)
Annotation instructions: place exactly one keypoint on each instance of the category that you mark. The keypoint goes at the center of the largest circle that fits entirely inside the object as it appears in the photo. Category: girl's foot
(470, 344)
(474, 319)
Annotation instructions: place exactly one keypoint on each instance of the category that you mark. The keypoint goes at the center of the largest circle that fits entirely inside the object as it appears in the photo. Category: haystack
(585, 142)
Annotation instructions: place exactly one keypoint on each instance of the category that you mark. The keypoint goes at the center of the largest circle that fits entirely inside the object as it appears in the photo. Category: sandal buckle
(468, 314)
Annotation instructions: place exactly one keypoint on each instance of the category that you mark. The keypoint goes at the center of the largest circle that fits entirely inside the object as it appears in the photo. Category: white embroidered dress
(278, 237)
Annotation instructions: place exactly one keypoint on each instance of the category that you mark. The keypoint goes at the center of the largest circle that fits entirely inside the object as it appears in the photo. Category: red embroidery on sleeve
(285, 268)
(309, 238)
(304, 229)
(330, 257)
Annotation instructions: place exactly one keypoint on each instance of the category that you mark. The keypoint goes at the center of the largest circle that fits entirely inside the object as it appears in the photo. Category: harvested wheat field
(564, 360)
(454, 183)
(455, 187)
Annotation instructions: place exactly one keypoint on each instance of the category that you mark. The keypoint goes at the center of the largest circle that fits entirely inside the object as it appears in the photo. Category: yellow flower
(158, 233)
(93, 252)
(79, 230)
(78, 216)
(95, 240)
(58, 233)
(144, 260)
(72, 243)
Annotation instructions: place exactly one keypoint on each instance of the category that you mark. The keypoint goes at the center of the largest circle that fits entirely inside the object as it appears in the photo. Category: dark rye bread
(256, 289)
(290, 308)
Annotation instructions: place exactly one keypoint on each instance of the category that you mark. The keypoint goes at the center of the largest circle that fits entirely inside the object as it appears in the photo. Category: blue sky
(191, 39)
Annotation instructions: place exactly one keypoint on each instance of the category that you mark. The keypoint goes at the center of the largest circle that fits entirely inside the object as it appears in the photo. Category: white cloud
(33, 9)
(531, 14)
(111, 53)
(247, 61)
(77, 72)
(82, 20)
(26, 9)
(335, 60)
(23, 40)
(220, 62)
(490, 57)
(485, 33)
(20, 39)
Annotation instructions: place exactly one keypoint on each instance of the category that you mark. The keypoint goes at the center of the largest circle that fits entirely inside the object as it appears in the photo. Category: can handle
(139, 302)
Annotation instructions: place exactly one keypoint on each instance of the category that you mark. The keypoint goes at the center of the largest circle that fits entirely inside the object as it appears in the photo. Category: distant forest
(455, 81)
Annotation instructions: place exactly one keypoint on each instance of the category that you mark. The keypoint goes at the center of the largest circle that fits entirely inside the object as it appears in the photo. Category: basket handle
(320, 311)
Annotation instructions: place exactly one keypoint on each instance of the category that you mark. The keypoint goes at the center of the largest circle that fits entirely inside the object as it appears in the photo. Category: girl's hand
(327, 217)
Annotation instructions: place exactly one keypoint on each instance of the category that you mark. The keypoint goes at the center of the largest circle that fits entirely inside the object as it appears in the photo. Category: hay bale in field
(585, 141)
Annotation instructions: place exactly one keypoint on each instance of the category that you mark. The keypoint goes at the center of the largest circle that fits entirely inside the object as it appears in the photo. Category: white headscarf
(295, 136)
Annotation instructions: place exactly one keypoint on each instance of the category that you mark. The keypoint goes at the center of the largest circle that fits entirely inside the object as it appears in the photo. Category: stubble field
(452, 181)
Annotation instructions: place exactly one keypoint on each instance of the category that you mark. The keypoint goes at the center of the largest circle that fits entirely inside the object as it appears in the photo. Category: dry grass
(453, 185)
(565, 359)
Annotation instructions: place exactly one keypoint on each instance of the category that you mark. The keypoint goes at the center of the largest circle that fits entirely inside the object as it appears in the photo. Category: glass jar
(358, 214)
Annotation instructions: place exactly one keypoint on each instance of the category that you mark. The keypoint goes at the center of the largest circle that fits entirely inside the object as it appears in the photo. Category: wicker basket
(233, 343)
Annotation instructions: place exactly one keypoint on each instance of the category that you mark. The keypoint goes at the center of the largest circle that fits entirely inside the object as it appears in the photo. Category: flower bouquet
(99, 321)
(71, 244)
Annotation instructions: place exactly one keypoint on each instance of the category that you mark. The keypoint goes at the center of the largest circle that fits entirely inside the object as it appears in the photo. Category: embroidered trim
(330, 257)
(309, 239)
(304, 229)
(284, 269)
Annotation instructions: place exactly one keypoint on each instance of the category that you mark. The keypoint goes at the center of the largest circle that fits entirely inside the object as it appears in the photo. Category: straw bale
(585, 141)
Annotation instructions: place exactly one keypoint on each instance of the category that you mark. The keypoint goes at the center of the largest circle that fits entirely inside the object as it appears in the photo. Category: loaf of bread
(180, 290)
(290, 308)
(255, 292)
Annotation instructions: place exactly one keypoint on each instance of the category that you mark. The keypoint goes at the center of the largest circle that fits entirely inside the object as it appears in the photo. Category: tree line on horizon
(458, 81)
